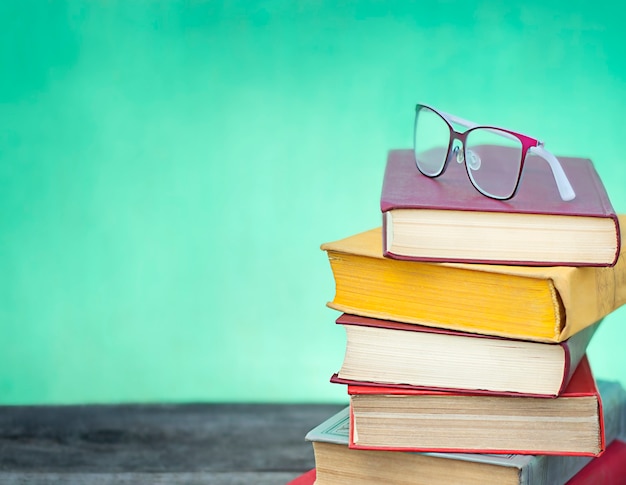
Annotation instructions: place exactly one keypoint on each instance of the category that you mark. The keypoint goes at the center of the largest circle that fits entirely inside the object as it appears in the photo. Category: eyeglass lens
(431, 139)
(493, 157)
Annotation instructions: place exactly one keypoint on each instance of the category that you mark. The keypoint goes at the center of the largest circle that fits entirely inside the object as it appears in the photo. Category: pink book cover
(582, 384)
(574, 348)
(404, 187)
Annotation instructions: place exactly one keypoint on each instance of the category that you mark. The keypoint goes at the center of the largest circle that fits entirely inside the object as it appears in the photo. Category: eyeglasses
(493, 157)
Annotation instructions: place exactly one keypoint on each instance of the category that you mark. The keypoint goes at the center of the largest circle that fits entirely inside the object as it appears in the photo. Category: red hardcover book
(446, 219)
(392, 354)
(307, 478)
(437, 421)
(609, 469)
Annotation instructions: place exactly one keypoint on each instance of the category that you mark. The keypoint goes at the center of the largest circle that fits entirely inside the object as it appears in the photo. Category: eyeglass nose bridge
(457, 143)
(458, 151)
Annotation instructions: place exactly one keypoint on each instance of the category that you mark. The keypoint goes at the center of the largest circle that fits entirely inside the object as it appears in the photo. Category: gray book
(531, 469)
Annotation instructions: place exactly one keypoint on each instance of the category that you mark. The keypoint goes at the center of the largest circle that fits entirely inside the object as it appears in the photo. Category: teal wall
(168, 171)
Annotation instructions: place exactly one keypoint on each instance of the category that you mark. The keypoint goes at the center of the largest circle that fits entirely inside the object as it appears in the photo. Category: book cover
(528, 229)
(609, 469)
(373, 467)
(423, 420)
(477, 298)
(407, 356)
(307, 478)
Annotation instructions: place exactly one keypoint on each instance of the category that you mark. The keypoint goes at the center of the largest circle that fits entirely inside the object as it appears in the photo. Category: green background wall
(168, 171)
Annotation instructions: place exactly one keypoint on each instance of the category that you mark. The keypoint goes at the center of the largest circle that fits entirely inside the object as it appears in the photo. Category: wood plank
(198, 478)
(157, 443)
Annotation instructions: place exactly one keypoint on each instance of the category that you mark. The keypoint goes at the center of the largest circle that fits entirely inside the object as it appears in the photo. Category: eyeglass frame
(529, 144)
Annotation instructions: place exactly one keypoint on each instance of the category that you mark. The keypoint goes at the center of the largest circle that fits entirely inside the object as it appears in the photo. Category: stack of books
(467, 322)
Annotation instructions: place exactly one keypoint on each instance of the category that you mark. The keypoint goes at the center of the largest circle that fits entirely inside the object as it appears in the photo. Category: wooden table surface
(157, 444)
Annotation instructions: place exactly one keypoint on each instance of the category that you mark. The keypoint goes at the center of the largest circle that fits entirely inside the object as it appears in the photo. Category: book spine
(387, 235)
(575, 348)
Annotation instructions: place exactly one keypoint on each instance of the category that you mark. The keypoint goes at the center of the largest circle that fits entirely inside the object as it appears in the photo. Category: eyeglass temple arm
(565, 188)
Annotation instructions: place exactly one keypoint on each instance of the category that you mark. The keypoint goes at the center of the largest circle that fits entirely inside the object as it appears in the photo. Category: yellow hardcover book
(544, 304)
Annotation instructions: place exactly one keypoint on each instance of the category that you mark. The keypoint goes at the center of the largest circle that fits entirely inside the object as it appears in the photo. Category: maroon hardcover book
(532, 228)
(608, 469)
(475, 363)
